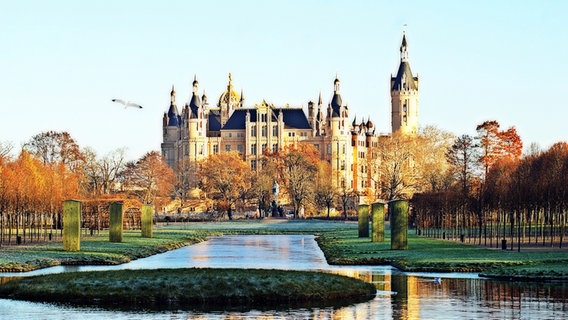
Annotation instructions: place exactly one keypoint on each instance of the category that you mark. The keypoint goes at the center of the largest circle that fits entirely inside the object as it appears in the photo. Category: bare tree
(397, 173)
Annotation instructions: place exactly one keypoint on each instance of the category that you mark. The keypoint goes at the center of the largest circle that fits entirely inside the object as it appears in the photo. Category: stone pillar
(147, 212)
(363, 221)
(115, 228)
(378, 217)
(398, 212)
(71, 225)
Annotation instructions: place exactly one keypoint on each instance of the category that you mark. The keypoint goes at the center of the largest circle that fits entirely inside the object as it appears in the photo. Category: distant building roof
(173, 116)
(214, 124)
(293, 118)
(404, 78)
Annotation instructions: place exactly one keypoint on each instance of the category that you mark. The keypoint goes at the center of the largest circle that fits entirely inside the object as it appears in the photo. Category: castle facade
(201, 129)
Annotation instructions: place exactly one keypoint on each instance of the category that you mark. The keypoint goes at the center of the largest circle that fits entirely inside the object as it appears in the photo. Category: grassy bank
(94, 250)
(339, 242)
(212, 289)
(343, 247)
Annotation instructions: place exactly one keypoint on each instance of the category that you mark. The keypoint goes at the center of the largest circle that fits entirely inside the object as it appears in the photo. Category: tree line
(51, 167)
(497, 196)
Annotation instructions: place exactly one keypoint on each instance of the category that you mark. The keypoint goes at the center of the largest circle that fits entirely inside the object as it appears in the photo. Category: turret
(404, 95)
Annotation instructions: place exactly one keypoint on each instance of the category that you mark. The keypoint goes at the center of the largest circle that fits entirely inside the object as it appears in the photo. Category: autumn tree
(396, 167)
(297, 166)
(325, 193)
(186, 179)
(53, 147)
(496, 144)
(149, 178)
(430, 157)
(224, 177)
(261, 188)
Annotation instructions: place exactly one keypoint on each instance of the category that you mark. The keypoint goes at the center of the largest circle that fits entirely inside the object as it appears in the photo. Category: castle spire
(195, 84)
(403, 48)
(173, 96)
(320, 101)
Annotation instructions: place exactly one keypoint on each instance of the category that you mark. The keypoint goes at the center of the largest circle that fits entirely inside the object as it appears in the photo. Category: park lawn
(338, 240)
(94, 250)
(214, 289)
(433, 255)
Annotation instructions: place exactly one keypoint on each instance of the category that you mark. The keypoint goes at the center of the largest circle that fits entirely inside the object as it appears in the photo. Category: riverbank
(344, 247)
(95, 250)
(186, 289)
(338, 240)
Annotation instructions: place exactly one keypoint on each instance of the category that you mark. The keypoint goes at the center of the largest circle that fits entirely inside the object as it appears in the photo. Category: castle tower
(404, 95)
(197, 127)
(171, 131)
(228, 102)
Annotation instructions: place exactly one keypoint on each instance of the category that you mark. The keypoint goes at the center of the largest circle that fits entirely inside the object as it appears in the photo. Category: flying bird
(127, 103)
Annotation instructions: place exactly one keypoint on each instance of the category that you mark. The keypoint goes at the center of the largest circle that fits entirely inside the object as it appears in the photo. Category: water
(399, 295)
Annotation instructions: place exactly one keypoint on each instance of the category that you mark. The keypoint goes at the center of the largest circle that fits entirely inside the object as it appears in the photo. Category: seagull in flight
(127, 103)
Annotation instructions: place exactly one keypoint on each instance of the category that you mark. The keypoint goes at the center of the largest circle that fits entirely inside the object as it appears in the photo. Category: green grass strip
(212, 289)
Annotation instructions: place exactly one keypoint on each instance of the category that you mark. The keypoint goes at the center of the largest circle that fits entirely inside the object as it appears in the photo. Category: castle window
(291, 134)
(329, 149)
(264, 145)
(342, 164)
(240, 148)
(253, 148)
(264, 131)
(275, 131)
(263, 117)
(275, 148)
(253, 164)
(186, 150)
(343, 147)
(201, 149)
(253, 131)
(228, 147)
(215, 149)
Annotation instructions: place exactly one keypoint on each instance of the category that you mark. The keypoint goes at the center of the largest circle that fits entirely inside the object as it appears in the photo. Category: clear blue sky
(61, 62)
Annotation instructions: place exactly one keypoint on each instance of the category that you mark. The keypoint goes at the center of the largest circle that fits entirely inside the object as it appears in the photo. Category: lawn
(211, 289)
(338, 240)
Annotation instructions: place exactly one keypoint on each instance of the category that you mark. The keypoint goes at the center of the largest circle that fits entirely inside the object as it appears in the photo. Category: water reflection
(399, 295)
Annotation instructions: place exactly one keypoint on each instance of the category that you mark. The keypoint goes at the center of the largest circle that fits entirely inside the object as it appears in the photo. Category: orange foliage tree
(297, 166)
(150, 179)
(225, 178)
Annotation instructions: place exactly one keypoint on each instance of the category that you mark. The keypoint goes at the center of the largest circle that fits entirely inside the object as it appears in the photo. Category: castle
(201, 129)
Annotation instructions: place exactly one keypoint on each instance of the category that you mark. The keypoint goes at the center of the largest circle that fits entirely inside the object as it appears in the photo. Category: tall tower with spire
(171, 131)
(404, 95)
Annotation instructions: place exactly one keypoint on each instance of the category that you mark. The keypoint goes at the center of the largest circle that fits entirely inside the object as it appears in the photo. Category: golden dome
(230, 95)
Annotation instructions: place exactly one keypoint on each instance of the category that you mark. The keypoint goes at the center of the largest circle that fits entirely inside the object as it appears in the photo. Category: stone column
(398, 211)
(147, 212)
(363, 221)
(378, 217)
(71, 225)
(115, 228)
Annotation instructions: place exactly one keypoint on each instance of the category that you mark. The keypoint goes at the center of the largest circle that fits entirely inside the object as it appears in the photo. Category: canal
(400, 295)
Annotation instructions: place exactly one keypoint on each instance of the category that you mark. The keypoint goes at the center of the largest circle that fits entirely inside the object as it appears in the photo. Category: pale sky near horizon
(61, 62)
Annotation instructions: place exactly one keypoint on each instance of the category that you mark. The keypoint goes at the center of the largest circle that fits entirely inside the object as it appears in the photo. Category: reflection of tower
(406, 302)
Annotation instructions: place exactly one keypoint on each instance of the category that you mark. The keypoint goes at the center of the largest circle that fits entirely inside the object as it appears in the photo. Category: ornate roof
(230, 95)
